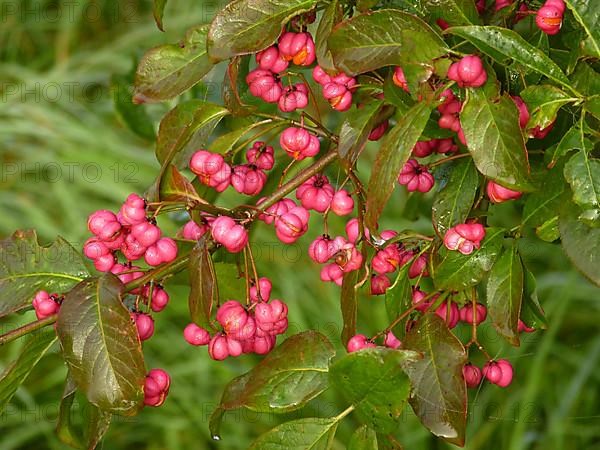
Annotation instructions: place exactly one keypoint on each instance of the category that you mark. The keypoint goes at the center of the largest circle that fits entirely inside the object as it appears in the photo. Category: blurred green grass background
(64, 153)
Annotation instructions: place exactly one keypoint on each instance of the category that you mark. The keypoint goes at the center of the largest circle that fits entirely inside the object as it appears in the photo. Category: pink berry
(416, 177)
(218, 348)
(422, 149)
(146, 233)
(144, 324)
(196, 335)
(541, 133)
(469, 69)
(293, 98)
(386, 260)
(316, 193)
(193, 231)
(265, 286)
(391, 341)
(418, 299)
(507, 373)
(228, 233)
(156, 387)
(271, 59)
(133, 211)
(271, 317)
(472, 375)
(104, 224)
(399, 78)
(558, 4)
(297, 47)
(320, 249)
(500, 194)
(211, 169)
(379, 284)
(332, 272)
(378, 132)
(105, 263)
(524, 328)
(342, 203)
(261, 156)
(353, 231)
(248, 180)
(358, 342)
(292, 224)
(464, 237)
(320, 76)
(469, 316)
(338, 96)
(492, 372)
(299, 143)
(549, 19)
(448, 311)
(160, 299)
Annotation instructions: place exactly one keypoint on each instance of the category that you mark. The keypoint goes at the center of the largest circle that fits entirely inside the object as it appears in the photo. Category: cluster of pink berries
(264, 81)
(449, 310)
(468, 72)
(339, 256)
(337, 89)
(549, 16)
(423, 149)
(498, 372)
(129, 231)
(252, 329)
(449, 110)
(46, 305)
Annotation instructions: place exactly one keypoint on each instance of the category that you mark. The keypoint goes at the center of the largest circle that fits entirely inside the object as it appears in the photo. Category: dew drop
(216, 437)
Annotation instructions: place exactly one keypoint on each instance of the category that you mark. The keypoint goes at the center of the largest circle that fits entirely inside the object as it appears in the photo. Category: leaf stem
(26, 329)
(449, 158)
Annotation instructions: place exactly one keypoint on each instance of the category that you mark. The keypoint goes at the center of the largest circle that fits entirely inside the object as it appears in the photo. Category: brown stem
(288, 187)
(449, 158)
(26, 329)
(160, 272)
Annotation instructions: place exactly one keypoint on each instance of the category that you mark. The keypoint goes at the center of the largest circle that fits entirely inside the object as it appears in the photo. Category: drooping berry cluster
(244, 329)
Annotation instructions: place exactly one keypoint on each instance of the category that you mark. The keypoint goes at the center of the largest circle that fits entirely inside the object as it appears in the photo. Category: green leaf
(394, 151)
(158, 10)
(373, 381)
(189, 124)
(204, 290)
(175, 187)
(65, 429)
(235, 89)
(455, 12)
(495, 140)
(301, 434)
(135, 117)
(349, 305)
(247, 26)
(456, 272)
(531, 312)
(544, 204)
(34, 349)
(583, 174)
(291, 375)
(586, 79)
(548, 231)
(355, 130)
(398, 297)
(543, 102)
(101, 346)
(504, 45)
(580, 242)
(454, 198)
(439, 395)
(386, 37)
(331, 16)
(505, 293)
(587, 13)
(166, 71)
(95, 421)
(592, 105)
(26, 267)
(364, 438)
(572, 139)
